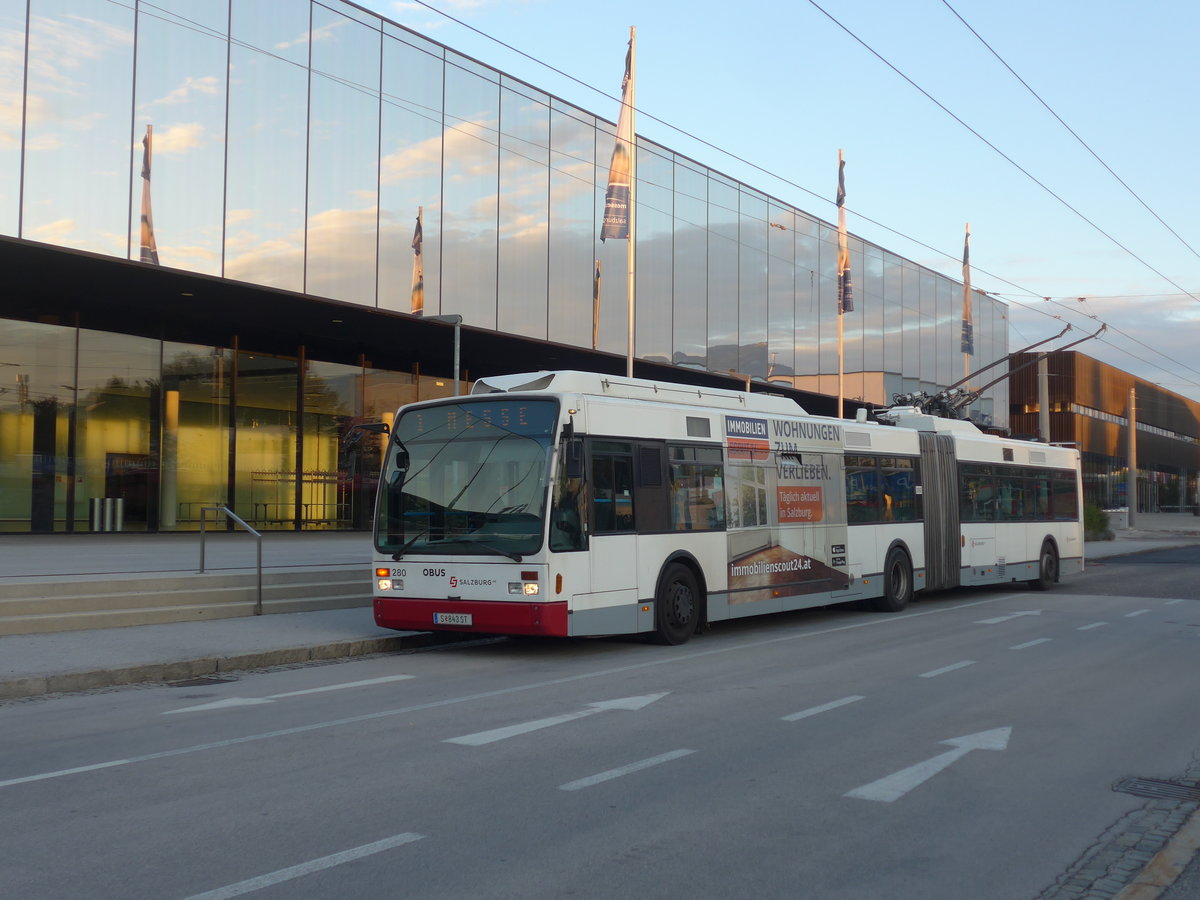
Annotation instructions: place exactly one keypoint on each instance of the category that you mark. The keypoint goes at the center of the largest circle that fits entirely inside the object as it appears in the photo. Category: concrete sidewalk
(36, 664)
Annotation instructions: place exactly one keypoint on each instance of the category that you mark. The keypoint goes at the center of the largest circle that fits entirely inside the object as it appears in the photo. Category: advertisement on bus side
(787, 524)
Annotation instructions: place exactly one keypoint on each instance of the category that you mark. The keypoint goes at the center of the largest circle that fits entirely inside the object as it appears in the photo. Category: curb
(1168, 864)
(159, 673)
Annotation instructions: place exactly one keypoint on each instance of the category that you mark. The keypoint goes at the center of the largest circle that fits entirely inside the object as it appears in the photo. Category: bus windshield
(467, 477)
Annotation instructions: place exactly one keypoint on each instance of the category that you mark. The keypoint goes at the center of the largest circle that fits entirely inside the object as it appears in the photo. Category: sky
(768, 92)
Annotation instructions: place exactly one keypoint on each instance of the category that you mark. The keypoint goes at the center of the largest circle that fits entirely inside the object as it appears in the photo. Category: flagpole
(842, 283)
(632, 191)
(967, 305)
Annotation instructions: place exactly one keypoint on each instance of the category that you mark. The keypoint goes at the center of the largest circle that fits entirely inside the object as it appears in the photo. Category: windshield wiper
(515, 557)
(399, 553)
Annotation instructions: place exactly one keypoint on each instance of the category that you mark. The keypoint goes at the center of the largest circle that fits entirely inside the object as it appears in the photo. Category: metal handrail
(231, 514)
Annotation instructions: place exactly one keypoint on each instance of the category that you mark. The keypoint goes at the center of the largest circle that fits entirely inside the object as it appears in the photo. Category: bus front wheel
(676, 605)
(1047, 568)
(897, 582)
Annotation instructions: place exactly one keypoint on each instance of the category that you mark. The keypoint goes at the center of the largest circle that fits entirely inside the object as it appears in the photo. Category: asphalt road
(967, 748)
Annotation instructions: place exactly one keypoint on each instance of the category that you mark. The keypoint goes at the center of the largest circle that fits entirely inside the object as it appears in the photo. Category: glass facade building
(294, 145)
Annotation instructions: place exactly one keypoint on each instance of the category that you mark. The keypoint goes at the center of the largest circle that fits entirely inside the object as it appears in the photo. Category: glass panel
(827, 307)
(781, 296)
(265, 489)
(12, 77)
(808, 264)
(911, 301)
(572, 225)
(524, 212)
(949, 333)
(181, 94)
(203, 15)
(893, 316)
(268, 111)
(36, 471)
(873, 314)
(470, 195)
(722, 275)
(195, 433)
(752, 285)
(612, 316)
(690, 284)
(929, 354)
(117, 428)
(335, 493)
(655, 256)
(78, 147)
(410, 173)
(343, 214)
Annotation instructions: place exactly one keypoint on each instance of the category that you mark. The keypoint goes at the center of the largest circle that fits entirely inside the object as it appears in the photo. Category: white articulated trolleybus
(572, 503)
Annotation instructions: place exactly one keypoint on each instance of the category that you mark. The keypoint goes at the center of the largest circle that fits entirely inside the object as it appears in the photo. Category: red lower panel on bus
(471, 615)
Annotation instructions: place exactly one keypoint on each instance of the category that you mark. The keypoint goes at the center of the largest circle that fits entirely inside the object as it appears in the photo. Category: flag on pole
(418, 270)
(968, 324)
(845, 288)
(149, 251)
(616, 201)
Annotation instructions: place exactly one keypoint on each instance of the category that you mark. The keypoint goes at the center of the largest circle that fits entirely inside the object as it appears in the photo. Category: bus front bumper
(484, 616)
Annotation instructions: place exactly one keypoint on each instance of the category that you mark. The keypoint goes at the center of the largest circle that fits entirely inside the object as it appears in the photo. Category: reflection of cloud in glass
(207, 84)
(63, 45)
(425, 157)
(322, 33)
(53, 232)
(176, 139)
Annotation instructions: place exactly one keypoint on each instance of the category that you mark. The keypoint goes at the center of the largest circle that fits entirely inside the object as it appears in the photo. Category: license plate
(451, 618)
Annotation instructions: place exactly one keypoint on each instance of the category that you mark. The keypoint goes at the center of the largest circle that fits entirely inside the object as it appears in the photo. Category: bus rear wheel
(1047, 568)
(676, 605)
(897, 582)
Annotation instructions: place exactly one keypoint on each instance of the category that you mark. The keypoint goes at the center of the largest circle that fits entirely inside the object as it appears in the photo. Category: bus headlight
(525, 588)
(384, 584)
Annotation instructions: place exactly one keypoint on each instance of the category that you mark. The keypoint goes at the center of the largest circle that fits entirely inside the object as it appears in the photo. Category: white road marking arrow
(895, 786)
(232, 702)
(1016, 615)
(499, 734)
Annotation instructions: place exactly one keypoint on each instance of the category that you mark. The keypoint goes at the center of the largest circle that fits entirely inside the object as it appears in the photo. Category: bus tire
(676, 605)
(897, 582)
(1047, 568)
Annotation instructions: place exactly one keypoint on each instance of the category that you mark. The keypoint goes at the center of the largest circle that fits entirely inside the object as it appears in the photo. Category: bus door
(612, 531)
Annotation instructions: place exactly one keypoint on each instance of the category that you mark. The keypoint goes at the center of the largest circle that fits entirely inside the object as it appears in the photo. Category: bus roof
(596, 384)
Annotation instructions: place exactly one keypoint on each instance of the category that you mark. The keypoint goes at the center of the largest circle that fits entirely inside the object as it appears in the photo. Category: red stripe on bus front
(490, 617)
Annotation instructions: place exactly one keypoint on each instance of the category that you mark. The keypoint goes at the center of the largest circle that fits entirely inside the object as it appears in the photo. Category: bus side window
(612, 486)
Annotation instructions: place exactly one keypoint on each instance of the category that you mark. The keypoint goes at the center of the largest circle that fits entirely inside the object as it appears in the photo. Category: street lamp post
(455, 320)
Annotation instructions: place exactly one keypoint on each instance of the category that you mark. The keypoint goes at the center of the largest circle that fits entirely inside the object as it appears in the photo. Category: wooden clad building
(1089, 407)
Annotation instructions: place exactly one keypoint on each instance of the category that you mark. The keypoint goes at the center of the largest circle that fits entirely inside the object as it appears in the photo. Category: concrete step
(75, 603)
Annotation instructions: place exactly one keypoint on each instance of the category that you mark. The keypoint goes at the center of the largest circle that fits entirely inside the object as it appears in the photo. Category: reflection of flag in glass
(968, 324)
(149, 248)
(845, 289)
(616, 201)
(418, 272)
(596, 306)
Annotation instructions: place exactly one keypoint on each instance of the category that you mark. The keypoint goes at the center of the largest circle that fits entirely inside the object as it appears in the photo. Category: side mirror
(373, 427)
(574, 451)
